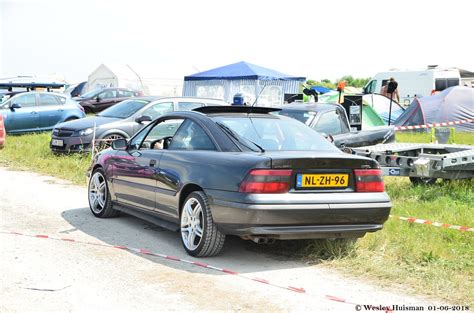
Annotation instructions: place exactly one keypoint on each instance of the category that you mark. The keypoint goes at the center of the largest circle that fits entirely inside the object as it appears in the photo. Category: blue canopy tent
(251, 80)
(321, 89)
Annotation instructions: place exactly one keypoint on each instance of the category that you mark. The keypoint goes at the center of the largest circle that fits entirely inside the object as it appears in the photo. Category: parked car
(2, 132)
(38, 111)
(99, 100)
(238, 171)
(331, 119)
(120, 121)
(76, 90)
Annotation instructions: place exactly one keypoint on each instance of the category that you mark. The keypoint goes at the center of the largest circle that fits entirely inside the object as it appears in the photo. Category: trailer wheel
(423, 181)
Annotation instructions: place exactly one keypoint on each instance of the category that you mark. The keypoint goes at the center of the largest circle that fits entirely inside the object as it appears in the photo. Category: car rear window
(276, 133)
(305, 117)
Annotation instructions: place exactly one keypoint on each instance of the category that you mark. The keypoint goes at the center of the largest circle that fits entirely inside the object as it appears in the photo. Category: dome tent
(224, 82)
(450, 105)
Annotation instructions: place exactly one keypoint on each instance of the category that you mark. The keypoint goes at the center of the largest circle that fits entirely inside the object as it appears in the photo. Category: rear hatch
(320, 171)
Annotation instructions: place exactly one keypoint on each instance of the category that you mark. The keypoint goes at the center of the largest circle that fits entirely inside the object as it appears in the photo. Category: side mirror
(143, 118)
(97, 99)
(15, 106)
(119, 144)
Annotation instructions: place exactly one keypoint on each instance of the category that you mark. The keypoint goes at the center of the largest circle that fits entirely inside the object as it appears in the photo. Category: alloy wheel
(192, 224)
(97, 192)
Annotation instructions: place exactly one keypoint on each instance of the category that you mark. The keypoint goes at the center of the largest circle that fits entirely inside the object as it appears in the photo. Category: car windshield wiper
(238, 138)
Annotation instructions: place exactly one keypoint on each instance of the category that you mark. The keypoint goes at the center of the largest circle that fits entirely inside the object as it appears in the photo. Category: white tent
(114, 76)
(111, 75)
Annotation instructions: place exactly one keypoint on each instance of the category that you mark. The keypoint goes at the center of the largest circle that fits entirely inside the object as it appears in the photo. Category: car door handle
(34, 112)
(152, 163)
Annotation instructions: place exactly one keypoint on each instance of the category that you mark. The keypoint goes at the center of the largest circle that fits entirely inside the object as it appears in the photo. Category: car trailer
(422, 163)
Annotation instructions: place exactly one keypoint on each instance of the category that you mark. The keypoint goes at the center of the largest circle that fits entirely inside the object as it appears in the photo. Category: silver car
(122, 120)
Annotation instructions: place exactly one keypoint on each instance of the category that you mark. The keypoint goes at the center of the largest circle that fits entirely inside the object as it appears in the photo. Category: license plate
(321, 180)
(57, 142)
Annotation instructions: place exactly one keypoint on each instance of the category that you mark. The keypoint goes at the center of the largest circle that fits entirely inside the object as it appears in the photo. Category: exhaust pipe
(263, 240)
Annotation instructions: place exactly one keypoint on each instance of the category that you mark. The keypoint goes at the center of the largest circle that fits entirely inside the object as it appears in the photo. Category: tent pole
(390, 109)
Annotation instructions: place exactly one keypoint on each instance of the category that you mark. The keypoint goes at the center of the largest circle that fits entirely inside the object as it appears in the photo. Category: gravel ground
(45, 275)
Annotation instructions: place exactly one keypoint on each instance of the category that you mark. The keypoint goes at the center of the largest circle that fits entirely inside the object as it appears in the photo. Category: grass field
(420, 258)
(32, 152)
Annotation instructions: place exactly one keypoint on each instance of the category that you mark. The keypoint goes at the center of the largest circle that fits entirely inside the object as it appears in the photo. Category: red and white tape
(173, 258)
(428, 222)
(432, 125)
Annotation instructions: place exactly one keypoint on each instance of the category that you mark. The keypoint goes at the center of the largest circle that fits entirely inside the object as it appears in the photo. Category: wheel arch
(115, 132)
(186, 191)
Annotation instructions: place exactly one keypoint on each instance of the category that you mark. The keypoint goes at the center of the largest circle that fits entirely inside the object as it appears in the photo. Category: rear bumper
(319, 216)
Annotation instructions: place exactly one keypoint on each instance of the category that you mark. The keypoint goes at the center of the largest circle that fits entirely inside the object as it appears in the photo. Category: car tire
(199, 235)
(106, 141)
(98, 193)
(424, 181)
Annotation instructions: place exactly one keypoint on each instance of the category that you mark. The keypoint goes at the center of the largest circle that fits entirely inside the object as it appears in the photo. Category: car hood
(88, 122)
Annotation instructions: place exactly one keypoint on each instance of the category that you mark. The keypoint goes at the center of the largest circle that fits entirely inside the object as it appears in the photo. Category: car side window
(158, 110)
(329, 123)
(108, 94)
(26, 101)
(125, 93)
(188, 106)
(191, 136)
(161, 131)
(137, 140)
(48, 100)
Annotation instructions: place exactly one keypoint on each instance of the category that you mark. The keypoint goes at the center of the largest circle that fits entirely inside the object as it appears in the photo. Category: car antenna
(258, 96)
(256, 99)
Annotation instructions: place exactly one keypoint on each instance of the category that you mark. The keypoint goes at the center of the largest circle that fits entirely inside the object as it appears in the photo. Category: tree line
(350, 81)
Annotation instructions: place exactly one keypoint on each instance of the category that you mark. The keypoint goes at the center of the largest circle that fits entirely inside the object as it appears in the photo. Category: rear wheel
(423, 180)
(199, 234)
(99, 196)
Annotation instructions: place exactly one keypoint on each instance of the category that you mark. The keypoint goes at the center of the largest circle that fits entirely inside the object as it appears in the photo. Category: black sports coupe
(242, 171)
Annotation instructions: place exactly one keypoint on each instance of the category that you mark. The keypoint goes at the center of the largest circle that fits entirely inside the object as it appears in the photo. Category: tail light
(369, 180)
(266, 181)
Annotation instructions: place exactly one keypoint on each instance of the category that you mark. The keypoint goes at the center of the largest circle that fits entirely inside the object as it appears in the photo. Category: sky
(170, 39)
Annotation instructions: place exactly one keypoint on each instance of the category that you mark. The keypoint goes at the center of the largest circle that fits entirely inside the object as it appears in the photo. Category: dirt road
(47, 275)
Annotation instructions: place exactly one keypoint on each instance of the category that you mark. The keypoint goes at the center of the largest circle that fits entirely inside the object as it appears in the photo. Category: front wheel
(99, 196)
(199, 234)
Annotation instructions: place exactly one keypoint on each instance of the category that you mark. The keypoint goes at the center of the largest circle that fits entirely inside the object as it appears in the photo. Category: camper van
(419, 84)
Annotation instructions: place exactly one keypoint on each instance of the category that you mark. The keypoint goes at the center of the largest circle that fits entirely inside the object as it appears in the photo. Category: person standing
(392, 90)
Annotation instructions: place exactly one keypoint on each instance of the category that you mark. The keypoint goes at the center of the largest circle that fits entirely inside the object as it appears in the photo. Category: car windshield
(91, 94)
(124, 109)
(275, 133)
(302, 116)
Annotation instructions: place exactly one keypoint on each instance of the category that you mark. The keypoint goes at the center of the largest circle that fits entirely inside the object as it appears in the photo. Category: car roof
(191, 99)
(145, 98)
(41, 92)
(116, 88)
(312, 107)
(235, 109)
